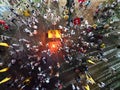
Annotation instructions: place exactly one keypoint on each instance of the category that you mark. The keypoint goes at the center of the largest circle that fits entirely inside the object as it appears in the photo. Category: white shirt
(118, 1)
(45, 16)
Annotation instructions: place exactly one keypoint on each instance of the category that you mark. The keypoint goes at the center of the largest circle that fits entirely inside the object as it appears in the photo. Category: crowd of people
(31, 64)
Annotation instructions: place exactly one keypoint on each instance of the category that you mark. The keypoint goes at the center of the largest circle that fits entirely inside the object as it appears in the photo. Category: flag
(90, 79)
(87, 87)
(76, 21)
(90, 61)
(4, 44)
(5, 80)
(27, 80)
(4, 69)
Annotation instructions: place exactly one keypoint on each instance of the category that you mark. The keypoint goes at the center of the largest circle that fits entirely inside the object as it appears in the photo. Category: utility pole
(69, 5)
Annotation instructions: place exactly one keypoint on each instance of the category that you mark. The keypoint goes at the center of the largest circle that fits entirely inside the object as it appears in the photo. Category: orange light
(54, 46)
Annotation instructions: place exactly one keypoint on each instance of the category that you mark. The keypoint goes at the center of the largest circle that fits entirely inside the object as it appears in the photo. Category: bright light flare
(54, 46)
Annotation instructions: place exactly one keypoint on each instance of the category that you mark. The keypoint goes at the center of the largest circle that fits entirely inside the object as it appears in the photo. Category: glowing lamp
(54, 46)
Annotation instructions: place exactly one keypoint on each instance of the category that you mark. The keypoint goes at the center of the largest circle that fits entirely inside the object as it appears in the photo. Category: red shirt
(2, 22)
(76, 21)
(6, 26)
(81, 1)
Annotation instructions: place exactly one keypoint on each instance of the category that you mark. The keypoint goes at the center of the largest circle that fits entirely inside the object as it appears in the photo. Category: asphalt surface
(100, 71)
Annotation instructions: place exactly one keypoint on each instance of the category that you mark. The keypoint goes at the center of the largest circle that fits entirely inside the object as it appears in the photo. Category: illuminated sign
(54, 34)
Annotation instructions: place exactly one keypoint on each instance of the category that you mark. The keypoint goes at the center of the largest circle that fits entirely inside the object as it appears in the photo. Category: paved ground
(86, 13)
(70, 73)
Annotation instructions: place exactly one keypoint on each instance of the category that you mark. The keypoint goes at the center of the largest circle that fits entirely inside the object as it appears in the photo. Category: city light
(54, 34)
(54, 46)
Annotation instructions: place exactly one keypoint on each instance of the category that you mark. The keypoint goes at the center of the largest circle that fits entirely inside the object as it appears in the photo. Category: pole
(69, 5)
